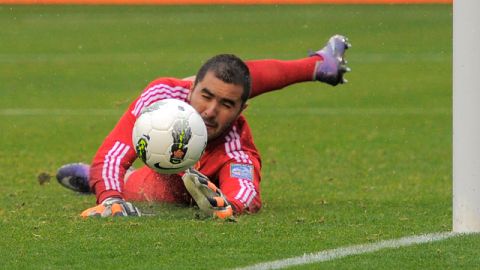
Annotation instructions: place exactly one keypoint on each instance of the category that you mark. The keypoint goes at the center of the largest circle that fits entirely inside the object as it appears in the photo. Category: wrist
(111, 200)
(108, 194)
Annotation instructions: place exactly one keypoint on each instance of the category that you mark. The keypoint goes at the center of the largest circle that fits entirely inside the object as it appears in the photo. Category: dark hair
(230, 69)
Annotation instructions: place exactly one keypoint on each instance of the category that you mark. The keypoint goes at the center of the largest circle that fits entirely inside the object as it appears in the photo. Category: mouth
(210, 125)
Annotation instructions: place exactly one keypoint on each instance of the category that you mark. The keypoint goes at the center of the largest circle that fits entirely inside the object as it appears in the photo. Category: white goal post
(466, 116)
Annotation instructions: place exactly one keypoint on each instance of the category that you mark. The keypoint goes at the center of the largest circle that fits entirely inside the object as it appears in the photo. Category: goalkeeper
(226, 179)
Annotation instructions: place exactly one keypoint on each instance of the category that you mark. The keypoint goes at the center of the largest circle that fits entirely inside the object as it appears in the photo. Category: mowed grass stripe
(82, 57)
(263, 111)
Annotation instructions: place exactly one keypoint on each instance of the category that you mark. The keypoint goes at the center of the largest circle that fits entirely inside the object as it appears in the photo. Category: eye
(206, 96)
(227, 105)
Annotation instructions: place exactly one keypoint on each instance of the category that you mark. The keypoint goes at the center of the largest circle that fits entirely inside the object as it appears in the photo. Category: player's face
(219, 103)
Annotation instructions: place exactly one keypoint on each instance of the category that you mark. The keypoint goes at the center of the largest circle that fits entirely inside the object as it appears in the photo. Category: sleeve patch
(243, 171)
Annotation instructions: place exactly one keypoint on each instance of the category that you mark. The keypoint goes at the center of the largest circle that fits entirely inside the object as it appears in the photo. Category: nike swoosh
(156, 165)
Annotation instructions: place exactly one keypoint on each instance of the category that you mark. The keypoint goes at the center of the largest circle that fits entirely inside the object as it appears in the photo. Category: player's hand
(208, 197)
(112, 207)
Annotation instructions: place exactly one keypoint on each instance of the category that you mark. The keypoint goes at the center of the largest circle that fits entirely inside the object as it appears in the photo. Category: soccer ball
(169, 136)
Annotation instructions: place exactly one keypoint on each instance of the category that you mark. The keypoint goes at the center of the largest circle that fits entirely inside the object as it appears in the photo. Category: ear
(244, 106)
(189, 96)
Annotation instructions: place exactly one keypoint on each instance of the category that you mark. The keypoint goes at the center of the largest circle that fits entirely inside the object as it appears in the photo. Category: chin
(213, 135)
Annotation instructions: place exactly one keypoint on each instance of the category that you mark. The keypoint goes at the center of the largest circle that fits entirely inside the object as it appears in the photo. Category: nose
(210, 110)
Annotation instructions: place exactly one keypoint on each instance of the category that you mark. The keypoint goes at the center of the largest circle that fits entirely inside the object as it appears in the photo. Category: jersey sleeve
(240, 183)
(116, 154)
(112, 160)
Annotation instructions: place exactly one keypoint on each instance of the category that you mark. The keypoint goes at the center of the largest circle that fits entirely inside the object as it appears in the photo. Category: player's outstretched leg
(333, 66)
(74, 176)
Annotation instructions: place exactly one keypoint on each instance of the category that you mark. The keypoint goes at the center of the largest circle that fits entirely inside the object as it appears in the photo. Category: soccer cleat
(333, 66)
(74, 176)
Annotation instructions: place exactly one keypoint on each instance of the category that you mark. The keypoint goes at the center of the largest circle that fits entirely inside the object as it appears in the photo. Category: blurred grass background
(358, 163)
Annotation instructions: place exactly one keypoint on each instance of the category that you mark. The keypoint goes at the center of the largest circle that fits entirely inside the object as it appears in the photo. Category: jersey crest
(242, 171)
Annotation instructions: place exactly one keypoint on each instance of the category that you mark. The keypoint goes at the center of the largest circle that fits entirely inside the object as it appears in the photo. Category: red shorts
(146, 185)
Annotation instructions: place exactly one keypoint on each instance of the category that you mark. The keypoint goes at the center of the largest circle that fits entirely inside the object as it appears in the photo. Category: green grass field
(355, 164)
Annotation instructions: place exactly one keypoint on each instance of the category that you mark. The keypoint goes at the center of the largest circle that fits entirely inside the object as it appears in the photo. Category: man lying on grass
(226, 180)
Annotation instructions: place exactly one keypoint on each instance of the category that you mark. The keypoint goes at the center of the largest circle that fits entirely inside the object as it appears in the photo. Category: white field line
(337, 253)
(254, 112)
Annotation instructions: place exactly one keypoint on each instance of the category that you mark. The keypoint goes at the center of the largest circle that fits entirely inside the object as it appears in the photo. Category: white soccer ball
(169, 136)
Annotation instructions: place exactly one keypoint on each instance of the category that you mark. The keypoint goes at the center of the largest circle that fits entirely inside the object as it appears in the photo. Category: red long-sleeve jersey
(231, 161)
(117, 153)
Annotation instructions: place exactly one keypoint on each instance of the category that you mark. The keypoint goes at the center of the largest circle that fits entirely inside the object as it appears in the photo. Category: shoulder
(171, 82)
(170, 87)
(159, 89)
